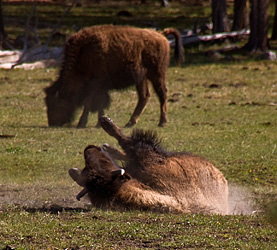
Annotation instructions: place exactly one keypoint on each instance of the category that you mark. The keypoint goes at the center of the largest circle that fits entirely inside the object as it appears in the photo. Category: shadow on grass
(56, 209)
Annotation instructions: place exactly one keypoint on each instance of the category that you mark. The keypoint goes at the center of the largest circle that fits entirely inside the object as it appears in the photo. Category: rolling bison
(106, 57)
(152, 178)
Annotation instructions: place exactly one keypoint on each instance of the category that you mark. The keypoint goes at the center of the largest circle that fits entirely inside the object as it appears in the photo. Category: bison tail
(179, 49)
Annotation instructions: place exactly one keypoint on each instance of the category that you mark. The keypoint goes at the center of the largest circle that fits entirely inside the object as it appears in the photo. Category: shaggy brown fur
(108, 188)
(154, 178)
(106, 57)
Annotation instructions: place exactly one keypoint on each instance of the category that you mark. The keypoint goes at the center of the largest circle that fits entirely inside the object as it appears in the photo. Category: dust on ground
(53, 197)
(241, 200)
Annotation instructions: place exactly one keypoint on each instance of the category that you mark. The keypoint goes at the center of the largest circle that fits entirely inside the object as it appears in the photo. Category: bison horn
(82, 194)
(118, 172)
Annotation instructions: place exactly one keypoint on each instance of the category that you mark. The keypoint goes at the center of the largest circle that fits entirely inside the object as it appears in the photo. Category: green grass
(132, 230)
(223, 110)
(226, 113)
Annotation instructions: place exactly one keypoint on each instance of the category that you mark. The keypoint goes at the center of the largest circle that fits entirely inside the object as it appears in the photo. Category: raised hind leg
(114, 152)
(143, 97)
(114, 131)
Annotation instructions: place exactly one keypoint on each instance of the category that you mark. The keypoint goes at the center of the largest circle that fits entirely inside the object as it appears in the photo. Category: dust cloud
(241, 200)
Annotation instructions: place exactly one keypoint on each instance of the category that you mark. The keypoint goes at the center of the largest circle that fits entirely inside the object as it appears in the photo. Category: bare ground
(62, 198)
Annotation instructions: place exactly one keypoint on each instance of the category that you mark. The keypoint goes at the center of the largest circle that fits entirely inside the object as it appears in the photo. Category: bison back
(119, 55)
(194, 181)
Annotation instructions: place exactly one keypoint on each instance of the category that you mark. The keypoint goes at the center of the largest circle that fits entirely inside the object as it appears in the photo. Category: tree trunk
(219, 16)
(164, 3)
(2, 30)
(259, 26)
(241, 18)
(274, 32)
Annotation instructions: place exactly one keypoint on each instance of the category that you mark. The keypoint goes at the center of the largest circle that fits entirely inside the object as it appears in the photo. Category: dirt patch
(44, 197)
(55, 199)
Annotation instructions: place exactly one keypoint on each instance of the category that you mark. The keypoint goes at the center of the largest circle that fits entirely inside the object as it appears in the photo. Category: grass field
(223, 110)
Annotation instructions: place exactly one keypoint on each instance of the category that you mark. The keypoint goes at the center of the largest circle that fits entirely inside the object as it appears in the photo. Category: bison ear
(76, 175)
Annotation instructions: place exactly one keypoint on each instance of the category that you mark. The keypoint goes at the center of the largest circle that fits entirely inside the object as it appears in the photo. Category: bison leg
(100, 114)
(84, 118)
(161, 90)
(114, 131)
(143, 97)
(114, 153)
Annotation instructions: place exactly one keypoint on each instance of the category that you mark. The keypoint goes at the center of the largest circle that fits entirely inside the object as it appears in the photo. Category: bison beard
(153, 178)
(106, 57)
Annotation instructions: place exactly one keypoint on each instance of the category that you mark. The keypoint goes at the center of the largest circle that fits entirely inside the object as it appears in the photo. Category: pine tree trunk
(259, 26)
(241, 18)
(219, 16)
(274, 32)
(2, 30)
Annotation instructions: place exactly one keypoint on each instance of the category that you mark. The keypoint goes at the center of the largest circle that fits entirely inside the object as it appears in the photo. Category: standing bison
(152, 179)
(106, 57)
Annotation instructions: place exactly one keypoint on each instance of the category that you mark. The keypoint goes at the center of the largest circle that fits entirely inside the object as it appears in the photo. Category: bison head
(59, 110)
(101, 177)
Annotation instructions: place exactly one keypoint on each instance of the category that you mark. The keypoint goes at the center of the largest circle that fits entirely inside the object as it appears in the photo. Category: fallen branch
(35, 58)
(186, 40)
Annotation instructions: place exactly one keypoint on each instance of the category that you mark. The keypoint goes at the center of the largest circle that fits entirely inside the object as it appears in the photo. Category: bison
(106, 57)
(152, 178)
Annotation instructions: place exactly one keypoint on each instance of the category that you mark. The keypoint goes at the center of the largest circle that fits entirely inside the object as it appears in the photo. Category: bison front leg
(114, 153)
(100, 114)
(84, 118)
(134, 195)
(143, 97)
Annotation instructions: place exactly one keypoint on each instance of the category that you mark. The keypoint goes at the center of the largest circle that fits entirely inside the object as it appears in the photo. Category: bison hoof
(81, 126)
(162, 124)
(106, 147)
(130, 124)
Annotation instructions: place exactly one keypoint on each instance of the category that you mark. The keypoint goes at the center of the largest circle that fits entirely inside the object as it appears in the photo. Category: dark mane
(148, 139)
